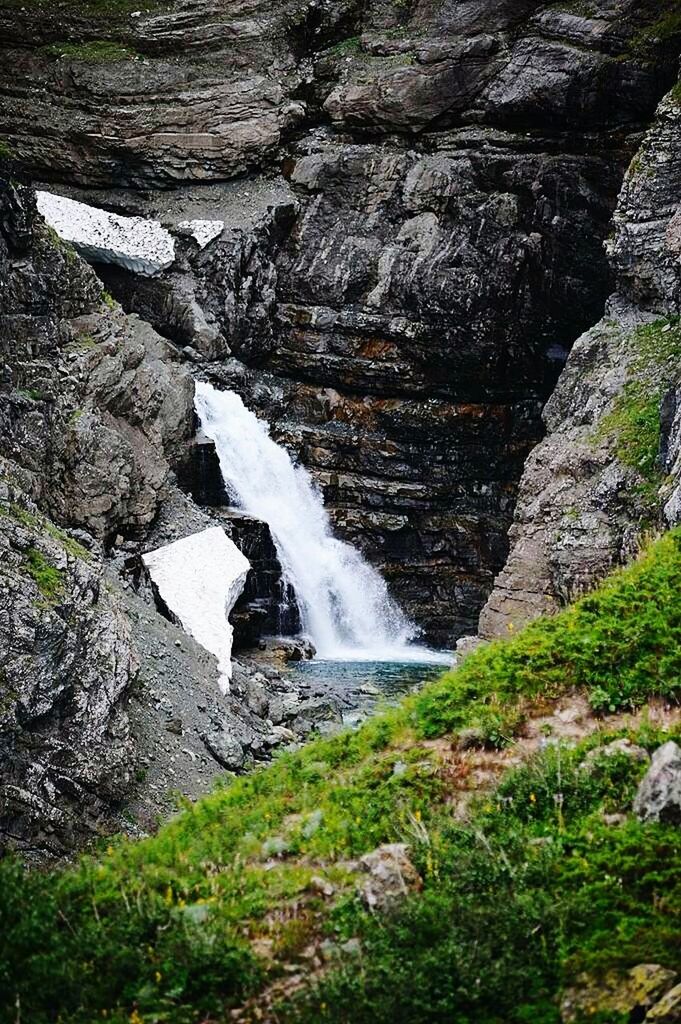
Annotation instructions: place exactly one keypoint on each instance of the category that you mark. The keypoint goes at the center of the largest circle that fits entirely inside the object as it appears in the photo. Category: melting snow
(134, 243)
(204, 231)
(200, 579)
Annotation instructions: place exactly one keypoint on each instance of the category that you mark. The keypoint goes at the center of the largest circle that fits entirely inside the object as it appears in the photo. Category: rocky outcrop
(403, 316)
(608, 469)
(92, 409)
(659, 794)
(139, 97)
(66, 661)
(399, 309)
(96, 404)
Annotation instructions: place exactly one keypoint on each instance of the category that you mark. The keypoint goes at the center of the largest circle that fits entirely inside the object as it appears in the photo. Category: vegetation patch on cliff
(259, 883)
(621, 644)
(95, 50)
(50, 580)
(634, 420)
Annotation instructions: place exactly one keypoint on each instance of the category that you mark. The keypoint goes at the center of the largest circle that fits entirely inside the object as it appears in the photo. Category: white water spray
(344, 603)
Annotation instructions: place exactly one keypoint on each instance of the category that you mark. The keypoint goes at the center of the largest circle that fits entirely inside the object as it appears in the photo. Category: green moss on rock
(49, 579)
(94, 50)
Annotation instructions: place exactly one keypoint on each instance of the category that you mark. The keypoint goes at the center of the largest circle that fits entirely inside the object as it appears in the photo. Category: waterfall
(344, 602)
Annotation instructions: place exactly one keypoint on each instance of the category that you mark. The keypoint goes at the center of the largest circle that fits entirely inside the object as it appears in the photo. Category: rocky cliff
(608, 470)
(400, 280)
(403, 313)
(106, 707)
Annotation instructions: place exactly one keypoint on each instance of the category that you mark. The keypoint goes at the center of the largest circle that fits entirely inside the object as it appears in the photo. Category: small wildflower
(157, 976)
(533, 798)
(417, 814)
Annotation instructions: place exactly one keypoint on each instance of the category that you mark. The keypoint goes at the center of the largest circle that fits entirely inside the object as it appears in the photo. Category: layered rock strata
(403, 318)
(608, 471)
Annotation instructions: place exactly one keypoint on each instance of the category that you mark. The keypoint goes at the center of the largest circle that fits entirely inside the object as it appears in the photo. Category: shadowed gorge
(340, 340)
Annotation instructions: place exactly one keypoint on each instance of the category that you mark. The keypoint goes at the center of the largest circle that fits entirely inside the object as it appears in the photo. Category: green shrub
(634, 421)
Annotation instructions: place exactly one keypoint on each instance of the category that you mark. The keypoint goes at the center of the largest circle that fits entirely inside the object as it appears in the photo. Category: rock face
(609, 467)
(93, 408)
(399, 308)
(659, 794)
(402, 319)
(66, 661)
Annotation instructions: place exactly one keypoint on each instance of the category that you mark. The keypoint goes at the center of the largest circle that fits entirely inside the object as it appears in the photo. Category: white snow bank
(134, 243)
(203, 231)
(200, 578)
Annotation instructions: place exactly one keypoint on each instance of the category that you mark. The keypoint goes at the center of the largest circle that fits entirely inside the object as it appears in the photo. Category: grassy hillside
(253, 892)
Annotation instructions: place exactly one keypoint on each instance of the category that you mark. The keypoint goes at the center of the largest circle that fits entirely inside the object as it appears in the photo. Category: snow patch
(200, 579)
(134, 243)
(203, 231)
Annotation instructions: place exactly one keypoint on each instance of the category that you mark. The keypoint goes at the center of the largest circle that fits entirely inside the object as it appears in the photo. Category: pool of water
(362, 685)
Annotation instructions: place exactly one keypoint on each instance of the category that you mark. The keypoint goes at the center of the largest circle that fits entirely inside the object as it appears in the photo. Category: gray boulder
(225, 749)
(391, 876)
(659, 795)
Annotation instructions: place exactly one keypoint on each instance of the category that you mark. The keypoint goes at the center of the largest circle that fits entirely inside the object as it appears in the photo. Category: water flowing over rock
(454, 169)
(199, 579)
(345, 605)
(395, 291)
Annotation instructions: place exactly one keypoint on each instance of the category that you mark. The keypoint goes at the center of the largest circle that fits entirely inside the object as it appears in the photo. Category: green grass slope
(255, 883)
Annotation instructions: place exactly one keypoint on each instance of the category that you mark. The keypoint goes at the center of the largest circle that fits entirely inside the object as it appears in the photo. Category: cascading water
(345, 605)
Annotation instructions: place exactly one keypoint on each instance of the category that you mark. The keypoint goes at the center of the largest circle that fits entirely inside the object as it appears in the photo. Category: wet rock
(292, 649)
(659, 794)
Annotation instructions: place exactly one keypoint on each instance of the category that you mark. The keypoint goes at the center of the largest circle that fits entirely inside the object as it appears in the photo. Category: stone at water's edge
(200, 578)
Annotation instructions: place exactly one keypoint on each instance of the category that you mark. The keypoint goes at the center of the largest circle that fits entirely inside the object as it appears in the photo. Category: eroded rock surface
(609, 467)
(401, 316)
